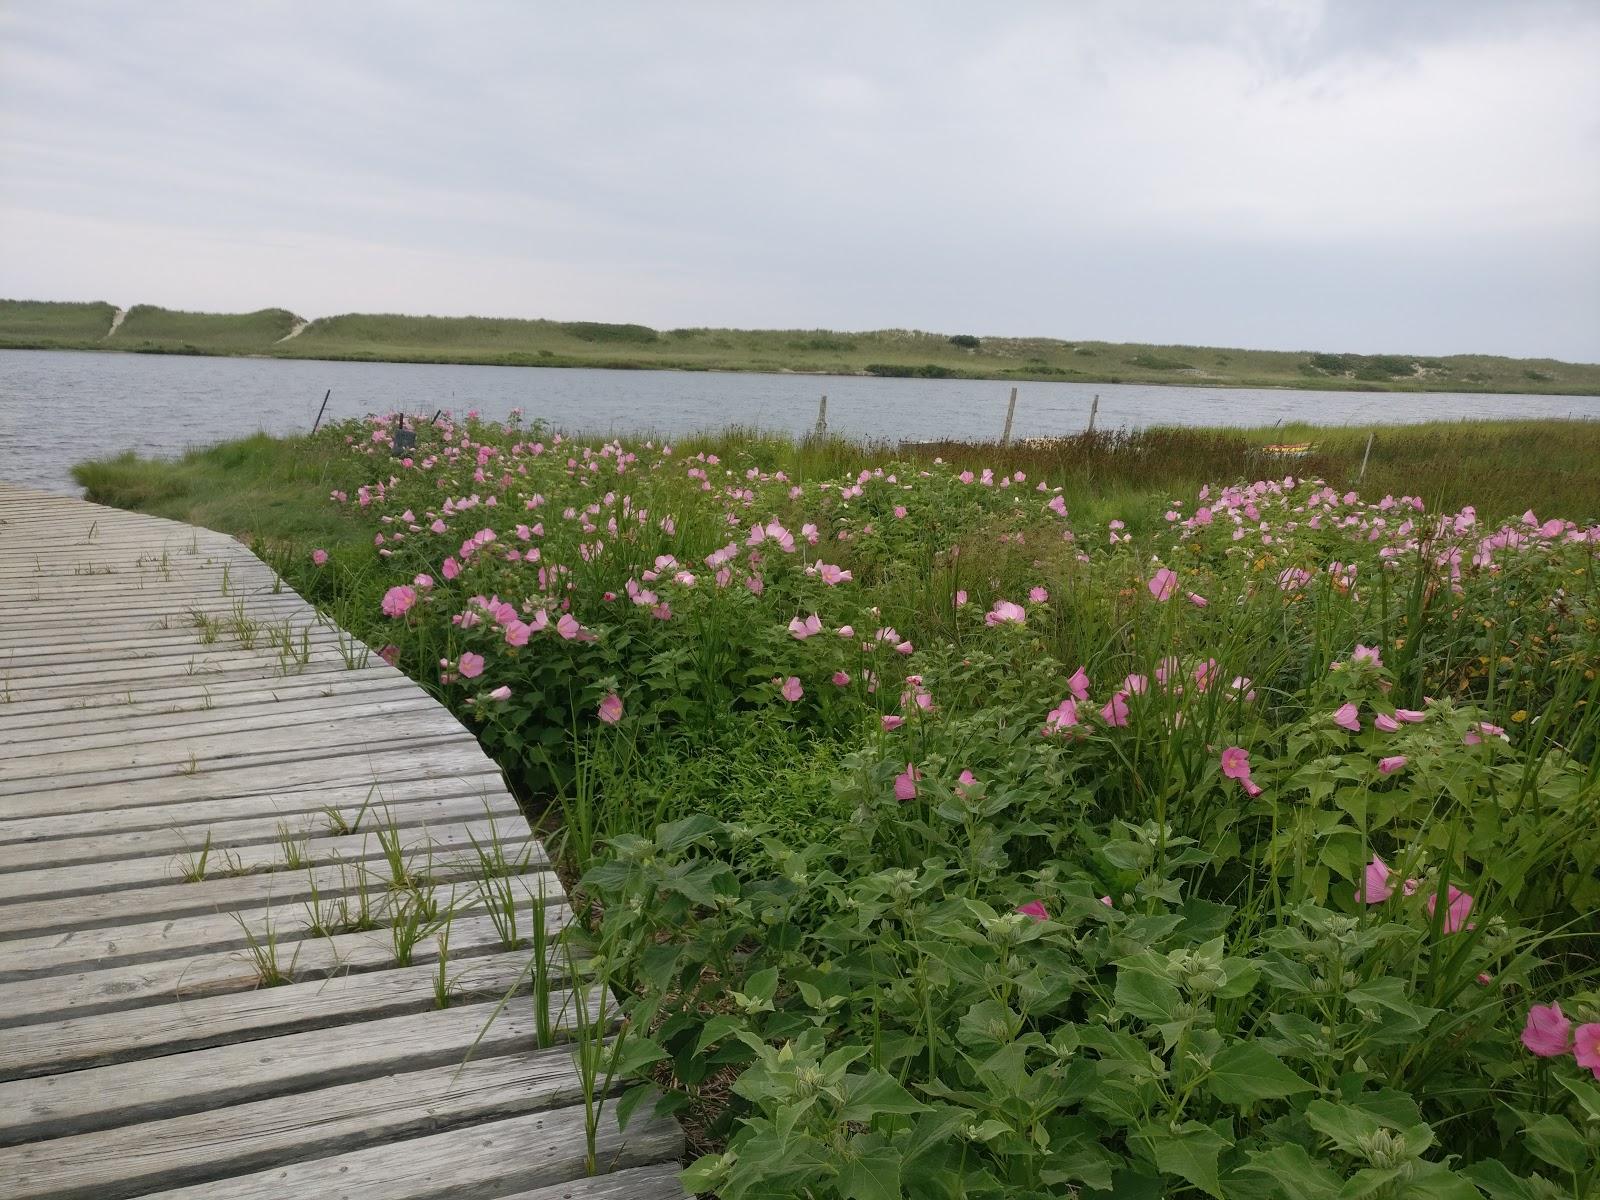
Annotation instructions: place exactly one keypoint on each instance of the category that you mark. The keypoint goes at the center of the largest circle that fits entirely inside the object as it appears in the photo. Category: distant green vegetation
(36, 323)
(148, 329)
(895, 353)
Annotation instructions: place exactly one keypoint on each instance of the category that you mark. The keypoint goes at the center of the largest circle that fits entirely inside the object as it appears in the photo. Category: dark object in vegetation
(903, 371)
(966, 341)
(599, 331)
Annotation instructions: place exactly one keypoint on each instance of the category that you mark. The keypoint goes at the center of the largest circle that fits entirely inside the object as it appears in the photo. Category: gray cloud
(1363, 176)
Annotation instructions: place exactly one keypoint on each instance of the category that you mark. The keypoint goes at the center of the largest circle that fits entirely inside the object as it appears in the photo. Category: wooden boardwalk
(215, 811)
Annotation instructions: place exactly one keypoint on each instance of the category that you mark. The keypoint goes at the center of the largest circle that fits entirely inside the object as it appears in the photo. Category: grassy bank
(1125, 816)
(894, 352)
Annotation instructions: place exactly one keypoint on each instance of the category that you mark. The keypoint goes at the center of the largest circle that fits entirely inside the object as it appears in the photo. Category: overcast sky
(1385, 176)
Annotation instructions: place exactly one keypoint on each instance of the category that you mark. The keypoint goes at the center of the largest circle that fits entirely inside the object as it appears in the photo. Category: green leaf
(1554, 1139)
(1297, 1174)
(1345, 1126)
(871, 1171)
(875, 1093)
(1244, 1073)
(1190, 1152)
(1495, 1181)
(1146, 996)
(1586, 1093)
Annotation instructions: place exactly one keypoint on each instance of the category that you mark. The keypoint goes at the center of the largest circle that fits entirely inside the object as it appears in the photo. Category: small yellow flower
(1518, 717)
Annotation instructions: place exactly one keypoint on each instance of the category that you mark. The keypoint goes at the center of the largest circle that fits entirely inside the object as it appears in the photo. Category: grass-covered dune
(1147, 814)
(892, 352)
(48, 326)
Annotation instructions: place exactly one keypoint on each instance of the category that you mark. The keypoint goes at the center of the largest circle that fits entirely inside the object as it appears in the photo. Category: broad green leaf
(1190, 1152)
(1496, 1182)
(1297, 1174)
(1554, 1139)
(1345, 1126)
(1244, 1073)
(875, 1093)
(871, 1170)
(1586, 1093)
(1146, 996)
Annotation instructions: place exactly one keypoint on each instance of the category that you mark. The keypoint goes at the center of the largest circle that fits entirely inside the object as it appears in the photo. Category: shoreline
(518, 360)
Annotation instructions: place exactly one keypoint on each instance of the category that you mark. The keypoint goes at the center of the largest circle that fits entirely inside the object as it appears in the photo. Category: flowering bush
(1224, 846)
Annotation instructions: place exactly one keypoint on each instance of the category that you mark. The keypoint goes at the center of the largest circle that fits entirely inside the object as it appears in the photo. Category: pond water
(61, 407)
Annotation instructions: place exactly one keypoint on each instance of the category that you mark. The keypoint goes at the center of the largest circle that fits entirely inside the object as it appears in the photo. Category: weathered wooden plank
(189, 834)
(94, 1039)
(135, 940)
(478, 1163)
(659, 1182)
(175, 1085)
(374, 748)
(129, 1160)
(169, 823)
(384, 836)
(444, 759)
(163, 902)
(220, 740)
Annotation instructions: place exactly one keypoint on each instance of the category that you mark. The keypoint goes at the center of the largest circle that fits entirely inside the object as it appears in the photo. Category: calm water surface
(61, 407)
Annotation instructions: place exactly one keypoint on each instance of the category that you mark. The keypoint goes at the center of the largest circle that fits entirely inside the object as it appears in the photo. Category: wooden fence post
(1362, 474)
(1094, 408)
(1011, 411)
(822, 417)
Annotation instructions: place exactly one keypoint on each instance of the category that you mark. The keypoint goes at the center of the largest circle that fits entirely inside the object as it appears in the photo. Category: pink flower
(1548, 1033)
(1586, 1047)
(1034, 909)
(841, 679)
(1410, 715)
(517, 633)
(610, 710)
(1482, 729)
(905, 783)
(791, 689)
(1345, 717)
(1385, 722)
(1106, 900)
(397, 601)
(1366, 654)
(1115, 712)
(451, 568)
(319, 557)
(1004, 612)
(961, 598)
(801, 630)
(500, 693)
(1163, 583)
(1375, 887)
(1062, 716)
(1198, 600)
(390, 654)
(1078, 685)
(891, 722)
(964, 781)
(1456, 910)
(1038, 595)
(899, 512)
(470, 665)
(1236, 762)
(1393, 763)
(1136, 685)
(569, 629)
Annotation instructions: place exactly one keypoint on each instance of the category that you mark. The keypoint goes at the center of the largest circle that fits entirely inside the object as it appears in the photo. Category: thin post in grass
(321, 410)
(822, 417)
(1093, 409)
(1361, 474)
(1011, 411)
